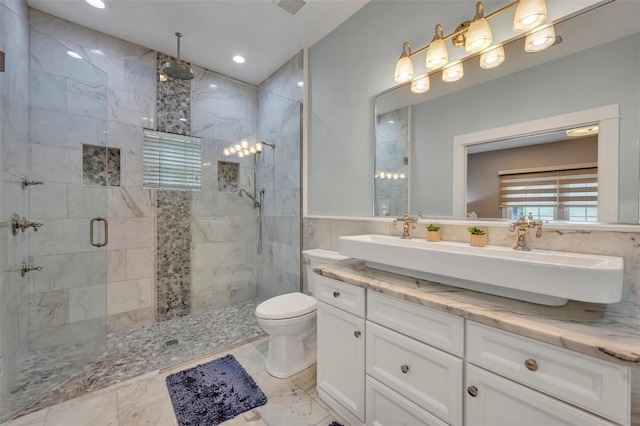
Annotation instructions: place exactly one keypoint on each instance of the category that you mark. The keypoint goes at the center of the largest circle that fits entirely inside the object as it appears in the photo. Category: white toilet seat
(286, 306)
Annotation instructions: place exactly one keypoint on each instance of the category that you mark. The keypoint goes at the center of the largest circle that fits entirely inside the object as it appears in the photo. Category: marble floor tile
(155, 410)
(96, 409)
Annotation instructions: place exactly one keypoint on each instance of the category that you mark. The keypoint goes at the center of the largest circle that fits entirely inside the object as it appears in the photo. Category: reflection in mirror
(595, 67)
(552, 177)
(392, 163)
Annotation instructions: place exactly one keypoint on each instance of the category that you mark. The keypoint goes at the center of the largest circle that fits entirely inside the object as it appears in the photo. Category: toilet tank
(317, 257)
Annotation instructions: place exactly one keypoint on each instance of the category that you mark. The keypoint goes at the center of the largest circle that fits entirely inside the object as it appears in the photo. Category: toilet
(290, 321)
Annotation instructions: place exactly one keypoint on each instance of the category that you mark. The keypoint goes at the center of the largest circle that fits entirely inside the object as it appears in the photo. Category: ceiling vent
(290, 6)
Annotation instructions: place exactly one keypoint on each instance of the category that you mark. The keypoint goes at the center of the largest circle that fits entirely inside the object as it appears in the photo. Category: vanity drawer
(344, 296)
(598, 386)
(444, 331)
(426, 376)
(387, 408)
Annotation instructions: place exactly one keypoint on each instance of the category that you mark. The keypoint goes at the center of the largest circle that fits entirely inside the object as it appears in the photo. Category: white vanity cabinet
(415, 365)
(341, 346)
(572, 379)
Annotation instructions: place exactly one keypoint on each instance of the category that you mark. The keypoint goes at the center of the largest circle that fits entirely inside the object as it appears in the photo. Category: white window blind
(566, 188)
(171, 161)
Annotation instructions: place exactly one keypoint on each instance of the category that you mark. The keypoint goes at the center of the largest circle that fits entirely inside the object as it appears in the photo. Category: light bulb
(395, 176)
(492, 58)
(529, 14)
(246, 151)
(478, 36)
(226, 151)
(240, 154)
(401, 175)
(404, 66)
(540, 40)
(244, 143)
(238, 147)
(232, 150)
(421, 85)
(252, 150)
(259, 147)
(437, 54)
(453, 72)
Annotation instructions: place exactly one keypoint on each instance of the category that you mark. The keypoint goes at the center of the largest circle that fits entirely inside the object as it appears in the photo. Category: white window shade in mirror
(607, 118)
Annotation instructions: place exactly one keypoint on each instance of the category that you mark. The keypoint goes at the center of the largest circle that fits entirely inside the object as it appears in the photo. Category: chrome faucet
(22, 224)
(406, 222)
(521, 226)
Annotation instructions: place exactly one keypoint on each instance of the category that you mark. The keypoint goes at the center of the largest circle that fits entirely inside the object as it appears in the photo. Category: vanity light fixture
(437, 53)
(245, 147)
(479, 32)
(420, 84)
(404, 66)
(540, 39)
(529, 14)
(492, 58)
(453, 72)
(475, 36)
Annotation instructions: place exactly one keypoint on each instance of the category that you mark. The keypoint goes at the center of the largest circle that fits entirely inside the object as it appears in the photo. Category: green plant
(475, 230)
(433, 227)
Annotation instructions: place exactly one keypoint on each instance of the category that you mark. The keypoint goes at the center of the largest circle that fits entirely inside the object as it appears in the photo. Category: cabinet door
(501, 402)
(341, 357)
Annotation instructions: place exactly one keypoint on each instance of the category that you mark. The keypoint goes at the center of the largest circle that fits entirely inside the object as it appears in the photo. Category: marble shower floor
(131, 354)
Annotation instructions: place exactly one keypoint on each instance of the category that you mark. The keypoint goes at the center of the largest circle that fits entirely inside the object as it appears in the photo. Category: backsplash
(324, 233)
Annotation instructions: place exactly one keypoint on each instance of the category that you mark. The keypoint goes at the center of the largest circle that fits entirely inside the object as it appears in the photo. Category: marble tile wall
(224, 225)
(279, 121)
(126, 296)
(14, 161)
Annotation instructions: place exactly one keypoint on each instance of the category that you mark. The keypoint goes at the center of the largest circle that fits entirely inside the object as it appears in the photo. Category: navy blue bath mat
(210, 393)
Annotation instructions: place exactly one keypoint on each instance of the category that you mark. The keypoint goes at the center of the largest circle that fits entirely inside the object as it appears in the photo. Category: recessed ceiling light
(300, 83)
(98, 4)
(213, 86)
(238, 59)
(73, 54)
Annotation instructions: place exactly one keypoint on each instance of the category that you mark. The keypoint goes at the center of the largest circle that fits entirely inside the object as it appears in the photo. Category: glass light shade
(238, 147)
(437, 54)
(540, 40)
(478, 36)
(232, 150)
(453, 72)
(420, 85)
(244, 143)
(252, 150)
(404, 70)
(492, 58)
(240, 154)
(529, 14)
(226, 151)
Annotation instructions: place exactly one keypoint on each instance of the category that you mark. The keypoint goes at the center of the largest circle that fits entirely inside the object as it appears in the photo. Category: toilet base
(288, 355)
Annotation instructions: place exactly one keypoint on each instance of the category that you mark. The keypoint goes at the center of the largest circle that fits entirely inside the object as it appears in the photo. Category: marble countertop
(609, 332)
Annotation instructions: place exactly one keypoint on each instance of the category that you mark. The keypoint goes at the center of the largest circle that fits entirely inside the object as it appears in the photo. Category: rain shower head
(177, 69)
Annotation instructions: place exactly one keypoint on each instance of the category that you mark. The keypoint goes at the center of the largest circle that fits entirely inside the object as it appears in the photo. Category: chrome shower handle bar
(106, 232)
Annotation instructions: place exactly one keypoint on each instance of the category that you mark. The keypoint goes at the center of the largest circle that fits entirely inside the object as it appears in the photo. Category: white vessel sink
(539, 276)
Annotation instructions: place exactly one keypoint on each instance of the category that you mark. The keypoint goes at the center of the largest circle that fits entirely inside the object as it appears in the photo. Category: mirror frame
(607, 118)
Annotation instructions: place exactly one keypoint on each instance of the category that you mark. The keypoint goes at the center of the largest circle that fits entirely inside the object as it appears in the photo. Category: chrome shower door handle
(106, 232)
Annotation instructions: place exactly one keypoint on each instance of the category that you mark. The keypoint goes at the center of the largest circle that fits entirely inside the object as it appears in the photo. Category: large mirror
(514, 120)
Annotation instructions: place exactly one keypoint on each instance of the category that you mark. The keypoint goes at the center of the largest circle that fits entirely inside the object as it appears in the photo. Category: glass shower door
(69, 172)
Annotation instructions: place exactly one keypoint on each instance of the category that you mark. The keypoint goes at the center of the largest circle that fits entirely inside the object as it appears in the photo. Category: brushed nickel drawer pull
(336, 293)
(404, 368)
(473, 391)
(357, 333)
(531, 364)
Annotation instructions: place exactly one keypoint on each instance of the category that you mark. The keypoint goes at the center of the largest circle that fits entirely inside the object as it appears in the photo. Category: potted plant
(433, 233)
(478, 236)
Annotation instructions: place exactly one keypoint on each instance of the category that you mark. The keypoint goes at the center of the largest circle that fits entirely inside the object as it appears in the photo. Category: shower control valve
(28, 268)
(22, 223)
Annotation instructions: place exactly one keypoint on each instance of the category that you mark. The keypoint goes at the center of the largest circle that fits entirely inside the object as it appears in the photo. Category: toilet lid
(286, 306)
